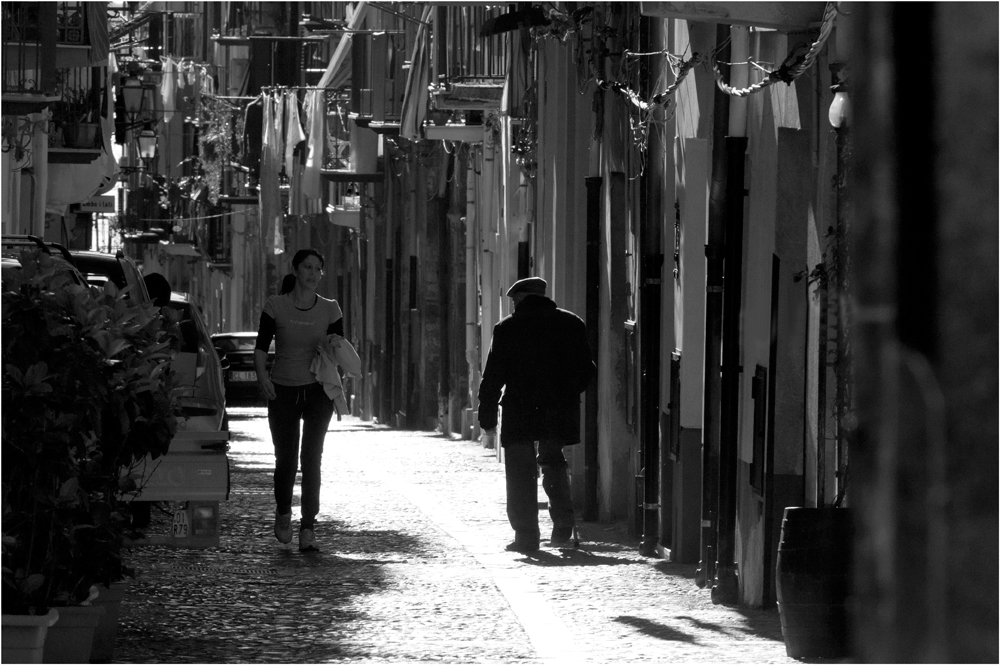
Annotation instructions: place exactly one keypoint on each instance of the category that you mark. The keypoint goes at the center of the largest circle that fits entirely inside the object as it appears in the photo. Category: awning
(338, 71)
(417, 92)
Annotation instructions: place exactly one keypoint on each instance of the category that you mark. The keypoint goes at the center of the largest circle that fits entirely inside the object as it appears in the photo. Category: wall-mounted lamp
(840, 107)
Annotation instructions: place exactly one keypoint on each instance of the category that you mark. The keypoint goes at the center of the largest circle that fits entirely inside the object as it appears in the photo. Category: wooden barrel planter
(813, 581)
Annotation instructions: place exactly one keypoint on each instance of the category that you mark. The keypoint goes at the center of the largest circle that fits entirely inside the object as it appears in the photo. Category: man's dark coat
(539, 356)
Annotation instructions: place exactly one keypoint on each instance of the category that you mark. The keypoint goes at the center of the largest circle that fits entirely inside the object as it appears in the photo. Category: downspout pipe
(471, 293)
(593, 184)
(705, 574)
(727, 584)
(649, 310)
(727, 587)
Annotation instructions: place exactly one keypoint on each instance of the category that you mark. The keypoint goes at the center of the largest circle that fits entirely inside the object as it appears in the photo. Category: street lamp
(840, 108)
(147, 145)
(134, 93)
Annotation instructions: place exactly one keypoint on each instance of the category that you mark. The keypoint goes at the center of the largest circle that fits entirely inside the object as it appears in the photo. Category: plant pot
(110, 599)
(24, 636)
(71, 639)
(81, 135)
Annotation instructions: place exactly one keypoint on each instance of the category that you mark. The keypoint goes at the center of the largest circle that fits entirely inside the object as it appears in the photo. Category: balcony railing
(469, 69)
(462, 54)
(33, 35)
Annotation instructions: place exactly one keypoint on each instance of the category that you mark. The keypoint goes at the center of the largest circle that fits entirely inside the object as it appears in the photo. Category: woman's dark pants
(292, 404)
(521, 467)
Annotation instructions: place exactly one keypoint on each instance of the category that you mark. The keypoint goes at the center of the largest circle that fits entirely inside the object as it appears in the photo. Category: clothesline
(239, 97)
(271, 88)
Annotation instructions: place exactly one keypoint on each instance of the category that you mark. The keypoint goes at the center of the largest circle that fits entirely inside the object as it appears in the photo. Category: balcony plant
(77, 116)
(87, 395)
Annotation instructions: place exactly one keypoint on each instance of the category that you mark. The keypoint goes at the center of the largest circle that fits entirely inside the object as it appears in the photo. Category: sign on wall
(98, 204)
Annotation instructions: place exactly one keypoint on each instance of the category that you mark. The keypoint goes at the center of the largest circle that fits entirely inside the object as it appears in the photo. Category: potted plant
(87, 395)
(77, 116)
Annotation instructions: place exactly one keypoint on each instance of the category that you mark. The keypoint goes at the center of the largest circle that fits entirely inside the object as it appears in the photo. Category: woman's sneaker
(307, 541)
(283, 527)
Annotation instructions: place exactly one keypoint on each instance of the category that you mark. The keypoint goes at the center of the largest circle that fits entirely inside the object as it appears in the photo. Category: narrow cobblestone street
(412, 568)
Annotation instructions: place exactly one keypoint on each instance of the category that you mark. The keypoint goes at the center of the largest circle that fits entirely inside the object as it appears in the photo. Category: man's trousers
(521, 466)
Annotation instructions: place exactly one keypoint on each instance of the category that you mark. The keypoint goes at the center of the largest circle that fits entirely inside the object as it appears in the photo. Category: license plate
(243, 376)
(181, 527)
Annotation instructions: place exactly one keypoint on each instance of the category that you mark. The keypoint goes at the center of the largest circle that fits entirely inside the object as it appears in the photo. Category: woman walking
(298, 321)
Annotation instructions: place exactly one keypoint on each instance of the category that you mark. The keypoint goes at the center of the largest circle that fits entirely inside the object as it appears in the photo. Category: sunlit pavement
(412, 568)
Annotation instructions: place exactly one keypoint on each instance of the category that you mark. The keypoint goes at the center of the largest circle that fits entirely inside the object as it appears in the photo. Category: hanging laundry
(253, 132)
(270, 165)
(312, 187)
(293, 130)
(192, 73)
(168, 87)
(206, 82)
(279, 129)
(109, 164)
(279, 235)
(270, 193)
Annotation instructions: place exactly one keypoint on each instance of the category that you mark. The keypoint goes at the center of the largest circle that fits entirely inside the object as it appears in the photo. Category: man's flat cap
(528, 286)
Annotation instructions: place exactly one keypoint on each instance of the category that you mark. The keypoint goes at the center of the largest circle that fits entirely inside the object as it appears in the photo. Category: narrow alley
(413, 568)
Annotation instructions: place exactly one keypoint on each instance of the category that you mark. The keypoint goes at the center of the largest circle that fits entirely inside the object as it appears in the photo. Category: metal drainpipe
(649, 316)
(471, 293)
(649, 329)
(593, 183)
(727, 587)
(705, 574)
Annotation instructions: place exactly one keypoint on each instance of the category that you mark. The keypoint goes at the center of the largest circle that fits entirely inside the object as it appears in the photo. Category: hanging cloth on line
(293, 130)
(270, 166)
(312, 187)
(168, 87)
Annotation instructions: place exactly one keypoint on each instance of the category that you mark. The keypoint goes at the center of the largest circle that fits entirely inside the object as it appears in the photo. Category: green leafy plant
(78, 105)
(87, 396)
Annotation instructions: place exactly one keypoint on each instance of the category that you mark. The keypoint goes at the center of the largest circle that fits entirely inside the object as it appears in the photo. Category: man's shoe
(307, 541)
(283, 527)
(564, 538)
(522, 548)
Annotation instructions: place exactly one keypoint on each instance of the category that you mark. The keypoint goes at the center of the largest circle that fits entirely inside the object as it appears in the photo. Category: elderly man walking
(540, 360)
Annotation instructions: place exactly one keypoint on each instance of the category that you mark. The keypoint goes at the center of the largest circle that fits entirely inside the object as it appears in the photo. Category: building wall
(693, 168)
(565, 129)
(780, 164)
(616, 486)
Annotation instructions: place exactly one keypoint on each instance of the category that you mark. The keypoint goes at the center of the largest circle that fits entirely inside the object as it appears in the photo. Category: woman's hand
(265, 385)
(263, 378)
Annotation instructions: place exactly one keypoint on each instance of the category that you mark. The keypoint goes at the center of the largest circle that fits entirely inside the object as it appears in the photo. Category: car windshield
(190, 330)
(98, 269)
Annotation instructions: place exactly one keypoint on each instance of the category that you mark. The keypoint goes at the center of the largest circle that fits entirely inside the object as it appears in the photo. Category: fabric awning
(417, 81)
(338, 70)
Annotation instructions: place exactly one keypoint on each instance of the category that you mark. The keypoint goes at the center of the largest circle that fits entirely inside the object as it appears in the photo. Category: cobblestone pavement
(412, 568)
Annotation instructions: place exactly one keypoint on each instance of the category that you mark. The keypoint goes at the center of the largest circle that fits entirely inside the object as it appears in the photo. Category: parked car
(196, 468)
(199, 368)
(13, 245)
(95, 268)
(235, 349)
(98, 268)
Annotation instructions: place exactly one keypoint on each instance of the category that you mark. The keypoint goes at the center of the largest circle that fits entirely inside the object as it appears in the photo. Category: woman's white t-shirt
(297, 334)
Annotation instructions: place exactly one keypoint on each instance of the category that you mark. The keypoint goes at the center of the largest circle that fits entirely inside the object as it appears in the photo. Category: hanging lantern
(134, 93)
(147, 144)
